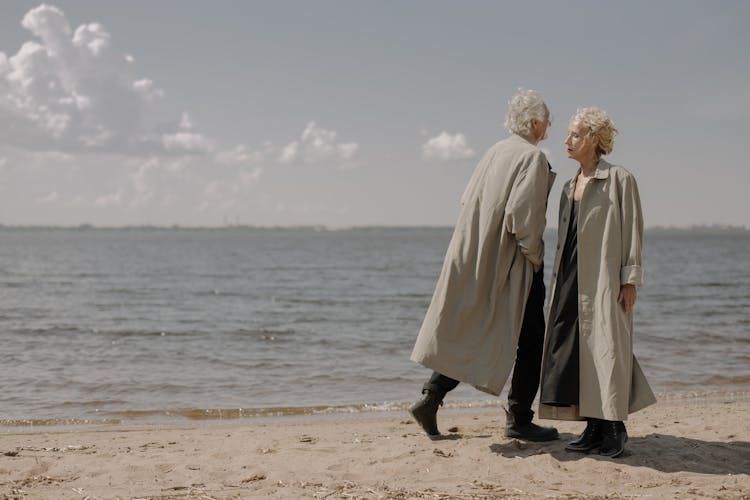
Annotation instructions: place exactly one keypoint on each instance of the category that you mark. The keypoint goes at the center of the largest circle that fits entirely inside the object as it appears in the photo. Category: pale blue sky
(279, 113)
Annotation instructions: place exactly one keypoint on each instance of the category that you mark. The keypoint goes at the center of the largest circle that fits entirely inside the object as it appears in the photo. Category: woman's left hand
(627, 297)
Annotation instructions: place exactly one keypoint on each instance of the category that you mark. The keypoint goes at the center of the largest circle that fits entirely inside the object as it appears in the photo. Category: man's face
(539, 128)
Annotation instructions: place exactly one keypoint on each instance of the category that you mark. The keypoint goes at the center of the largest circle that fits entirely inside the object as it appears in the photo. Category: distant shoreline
(717, 229)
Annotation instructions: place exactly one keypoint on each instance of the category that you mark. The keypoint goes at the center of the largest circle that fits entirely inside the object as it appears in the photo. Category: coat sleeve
(631, 270)
(525, 213)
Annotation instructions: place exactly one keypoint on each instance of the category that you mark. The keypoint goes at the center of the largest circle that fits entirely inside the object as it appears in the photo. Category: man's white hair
(523, 107)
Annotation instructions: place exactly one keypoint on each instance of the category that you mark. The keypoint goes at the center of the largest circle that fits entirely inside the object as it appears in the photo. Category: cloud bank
(70, 90)
(69, 94)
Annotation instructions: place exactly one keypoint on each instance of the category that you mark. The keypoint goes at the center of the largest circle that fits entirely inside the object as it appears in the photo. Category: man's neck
(532, 139)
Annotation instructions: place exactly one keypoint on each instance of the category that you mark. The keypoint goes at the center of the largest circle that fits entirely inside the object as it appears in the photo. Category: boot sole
(586, 450)
(615, 455)
(536, 439)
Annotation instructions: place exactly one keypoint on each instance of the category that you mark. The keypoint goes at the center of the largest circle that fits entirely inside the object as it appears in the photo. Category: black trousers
(525, 380)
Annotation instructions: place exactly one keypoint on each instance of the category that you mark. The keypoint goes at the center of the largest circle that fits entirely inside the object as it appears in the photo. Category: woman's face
(580, 144)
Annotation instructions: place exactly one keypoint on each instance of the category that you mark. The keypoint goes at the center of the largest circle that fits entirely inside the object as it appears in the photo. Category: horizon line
(326, 227)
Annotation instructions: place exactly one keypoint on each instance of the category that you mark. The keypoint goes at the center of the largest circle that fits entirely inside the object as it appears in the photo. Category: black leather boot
(590, 438)
(614, 437)
(425, 410)
(528, 431)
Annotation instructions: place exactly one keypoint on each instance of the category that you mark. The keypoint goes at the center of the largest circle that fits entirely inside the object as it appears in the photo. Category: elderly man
(487, 309)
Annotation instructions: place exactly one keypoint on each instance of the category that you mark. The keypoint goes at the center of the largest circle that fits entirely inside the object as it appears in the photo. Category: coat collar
(602, 169)
(552, 174)
(602, 172)
(517, 137)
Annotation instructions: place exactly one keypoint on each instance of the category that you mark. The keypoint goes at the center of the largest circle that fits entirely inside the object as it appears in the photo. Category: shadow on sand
(660, 452)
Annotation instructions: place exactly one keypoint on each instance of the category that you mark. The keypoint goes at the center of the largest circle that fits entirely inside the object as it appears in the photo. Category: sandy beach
(677, 449)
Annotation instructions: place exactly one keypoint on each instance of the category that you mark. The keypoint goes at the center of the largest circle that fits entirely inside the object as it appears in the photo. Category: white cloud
(92, 37)
(147, 90)
(3, 161)
(240, 155)
(289, 153)
(69, 90)
(248, 178)
(318, 145)
(143, 186)
(185, 122)
(447, 147)
(52, 197)
(109, 200)
(187, 143)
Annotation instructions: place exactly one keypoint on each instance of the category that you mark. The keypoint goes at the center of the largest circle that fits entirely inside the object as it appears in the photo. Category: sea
(142, 326)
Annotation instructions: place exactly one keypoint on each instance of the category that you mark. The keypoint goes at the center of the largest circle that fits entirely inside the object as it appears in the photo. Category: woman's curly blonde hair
(600, 125)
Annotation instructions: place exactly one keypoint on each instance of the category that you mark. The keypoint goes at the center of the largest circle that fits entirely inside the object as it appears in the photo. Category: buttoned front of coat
(610, 238)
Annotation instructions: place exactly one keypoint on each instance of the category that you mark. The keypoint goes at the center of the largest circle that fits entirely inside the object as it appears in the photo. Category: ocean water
(112, 326)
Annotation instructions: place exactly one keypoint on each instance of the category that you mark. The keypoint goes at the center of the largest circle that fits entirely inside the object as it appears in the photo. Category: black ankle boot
(528, 431)
(425, 410)
(590, 438)
(614, 437)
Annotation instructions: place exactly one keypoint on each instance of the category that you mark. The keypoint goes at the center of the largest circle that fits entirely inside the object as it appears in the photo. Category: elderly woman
(588, 368)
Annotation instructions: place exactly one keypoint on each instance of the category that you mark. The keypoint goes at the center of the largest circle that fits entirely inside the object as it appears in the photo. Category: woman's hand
(627, 297)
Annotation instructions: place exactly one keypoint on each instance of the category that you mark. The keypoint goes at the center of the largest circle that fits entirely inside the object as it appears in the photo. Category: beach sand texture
(677, 449)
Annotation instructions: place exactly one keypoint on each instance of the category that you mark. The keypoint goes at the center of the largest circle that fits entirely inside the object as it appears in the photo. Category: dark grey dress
(560, 382)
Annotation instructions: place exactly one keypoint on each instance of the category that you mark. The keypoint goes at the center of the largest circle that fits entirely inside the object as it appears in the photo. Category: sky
(341, 113)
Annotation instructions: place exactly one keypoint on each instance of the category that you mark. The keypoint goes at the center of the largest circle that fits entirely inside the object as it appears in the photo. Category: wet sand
(677, 449)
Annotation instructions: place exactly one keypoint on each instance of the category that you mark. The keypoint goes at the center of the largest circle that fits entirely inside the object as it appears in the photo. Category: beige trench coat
(610, 236)
(470, 332)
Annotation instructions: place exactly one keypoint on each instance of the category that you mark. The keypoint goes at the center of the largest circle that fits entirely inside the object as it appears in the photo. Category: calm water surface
(123, 325)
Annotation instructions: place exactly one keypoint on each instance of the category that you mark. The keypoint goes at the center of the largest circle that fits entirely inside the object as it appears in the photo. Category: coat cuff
(631, 275)
(536, 258)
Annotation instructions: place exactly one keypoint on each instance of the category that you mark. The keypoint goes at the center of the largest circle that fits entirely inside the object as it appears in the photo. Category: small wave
(265, 334)
(121, 334)
(51, 330)
(14, 284)
(703, 395)
(237, 413)
(58, 422)
(727, 380)
(320, 302)
(223, 293)
(697, 337)
(94, 403)
(718, 284)
(282, 411)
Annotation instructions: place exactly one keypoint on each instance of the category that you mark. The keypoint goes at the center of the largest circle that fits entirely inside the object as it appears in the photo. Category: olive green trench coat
(471, 328)
(610, 236)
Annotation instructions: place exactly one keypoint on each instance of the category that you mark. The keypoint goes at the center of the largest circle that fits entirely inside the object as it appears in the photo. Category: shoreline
(144, 419)
(697, 449)
(121, 419)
